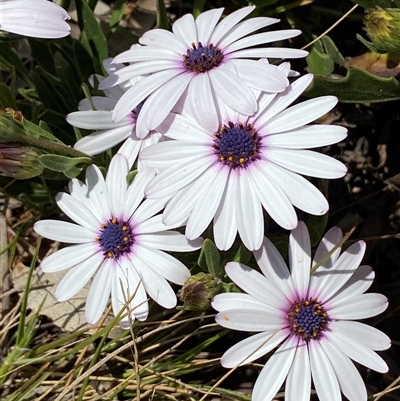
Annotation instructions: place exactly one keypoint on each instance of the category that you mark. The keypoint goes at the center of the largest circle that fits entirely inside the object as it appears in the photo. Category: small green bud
(20, 162)
(383, 28)
(198, 291)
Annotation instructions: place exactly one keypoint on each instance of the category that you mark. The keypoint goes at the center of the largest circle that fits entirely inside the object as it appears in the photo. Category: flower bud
(383, 28)
(19, 161)
(198, 291)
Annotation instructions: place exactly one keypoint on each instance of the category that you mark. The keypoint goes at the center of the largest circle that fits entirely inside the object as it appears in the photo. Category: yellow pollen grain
(242, 160)
(110, 254)
(126, 239)
(230, 158)
(114, 221)
(124, 228)
(226, 317)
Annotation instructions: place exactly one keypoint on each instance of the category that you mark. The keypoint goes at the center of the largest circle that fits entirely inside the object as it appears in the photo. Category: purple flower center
(308, 319)
(237, 145)
(202, 58)
(115, 238)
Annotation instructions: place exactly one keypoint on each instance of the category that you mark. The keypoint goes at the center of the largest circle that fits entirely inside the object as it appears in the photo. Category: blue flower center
(308, 319)
(237, 145)
(202, 58)
(115, 238)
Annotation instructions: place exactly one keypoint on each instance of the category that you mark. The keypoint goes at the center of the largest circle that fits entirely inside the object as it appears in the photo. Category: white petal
(135, 192)
(249, 216)
(228, 23)
(249, 320)
(232, 91)
(350, 381)
(163, 38)
(309, 136)
(99, 292)
(259, 76)
(237, 300)
(78, 212)
(148, 209)
(77, 277)
(307, 162)
(270, 52)
(97, 192)
(368, 335)
(205, 207)
(252, 348)
(300, 192)
(256, 285)
(274, 267)
(273, 198)
(261, 38)
(183, 201)
(116, 183)
(64, 232)
(301, 114)
(225, 225)
(323, 375)
(140, 91)
(156, 286)
(101, 141)
(95, 120)
(185, 29)
(176, 177)
(300, 258)
(282, 101)
(200, 95)
(130, 149)
(359, 307)
(356, 350)
(298, 382)
(205, 24)
(171, 241)
(343, 269)
(161, 102)
(70, 256)
(163, 263)
(149, 226)
(127, 286)
(274, 372)
(359, 282)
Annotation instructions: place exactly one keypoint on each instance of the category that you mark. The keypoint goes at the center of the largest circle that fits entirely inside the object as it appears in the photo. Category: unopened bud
(383, 28)
(19, 161)
(198, 291)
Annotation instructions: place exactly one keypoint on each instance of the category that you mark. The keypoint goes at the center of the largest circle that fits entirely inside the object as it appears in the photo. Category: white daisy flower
(208, 58)
(312, 316)
(34, 18)
(249, 164)
(107, 132)
(119, 239)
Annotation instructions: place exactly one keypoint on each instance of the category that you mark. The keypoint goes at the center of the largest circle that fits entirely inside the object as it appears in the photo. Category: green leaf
(243, 255)
(62, 164)
(117, 14)
(213, 259)
(7, 99)
(264, 3)
(319, 63)
(358, 86)
(316, 227)
(374, 3)
(368, 45)
(162, 17)
(92, 38)
(332, 51)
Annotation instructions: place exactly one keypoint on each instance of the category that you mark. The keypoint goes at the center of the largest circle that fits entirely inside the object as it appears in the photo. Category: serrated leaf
(358, 86)
(62, 164)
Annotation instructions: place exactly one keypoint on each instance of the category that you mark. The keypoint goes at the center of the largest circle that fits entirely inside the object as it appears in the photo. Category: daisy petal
(116, 183)
(231, 300)
(356, 350)
(70, 256)
(252, 348)
(64, 232)
(205, 24)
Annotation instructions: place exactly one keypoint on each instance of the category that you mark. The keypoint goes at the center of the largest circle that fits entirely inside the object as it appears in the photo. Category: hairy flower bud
(198, 291)
(383, 28)
(18, 161)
